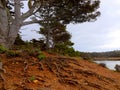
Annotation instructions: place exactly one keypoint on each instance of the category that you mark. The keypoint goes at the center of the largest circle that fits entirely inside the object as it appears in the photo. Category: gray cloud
(101, 35)
(97, 36)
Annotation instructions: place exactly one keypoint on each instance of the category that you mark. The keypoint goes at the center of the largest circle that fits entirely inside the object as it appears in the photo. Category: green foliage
(27, 46)
(38, 43)
(32, 52)
(70, 11)
(22, 45)
(85, 56)
(56, 14)
(72, 52)
(32, 78)
(36, 53)
(41, 56)
(12, 53)
(2, 49)
(19, 41)
(66, 50)
(57, 34)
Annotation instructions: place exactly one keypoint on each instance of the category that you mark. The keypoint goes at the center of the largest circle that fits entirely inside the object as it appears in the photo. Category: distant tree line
(115, 53)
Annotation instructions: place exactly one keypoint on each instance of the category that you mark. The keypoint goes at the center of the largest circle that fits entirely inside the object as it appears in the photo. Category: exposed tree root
(41, 66)
(60, 67)
(2, 77)
(66, 71)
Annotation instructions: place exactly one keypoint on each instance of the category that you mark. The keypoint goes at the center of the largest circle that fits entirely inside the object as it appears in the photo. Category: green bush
(36, 53)
(2, 49)
(66, 50)
(41, 56)
(32, 52)
(11, 53)
(103, 65)
(19, 40)
(32, 78)
(85, 56)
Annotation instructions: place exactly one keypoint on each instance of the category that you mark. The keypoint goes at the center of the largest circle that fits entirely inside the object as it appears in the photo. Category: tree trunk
(3, 26)
(16, 24)
(48, 37)
(13, 32)
(9, 28)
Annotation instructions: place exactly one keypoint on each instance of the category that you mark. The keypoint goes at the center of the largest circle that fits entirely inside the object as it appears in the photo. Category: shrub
(31, 51)
(85, 56)
(41, 56)
(19, 40)
(2, 49)
(102, 64)
(66, 50)
(11, 53)
(32, 78)
(117, 68)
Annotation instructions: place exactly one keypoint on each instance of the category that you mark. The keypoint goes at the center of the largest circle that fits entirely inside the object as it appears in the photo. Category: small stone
(35, 81)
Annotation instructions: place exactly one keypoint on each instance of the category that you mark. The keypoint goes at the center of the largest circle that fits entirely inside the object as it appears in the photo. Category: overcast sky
(101, 35)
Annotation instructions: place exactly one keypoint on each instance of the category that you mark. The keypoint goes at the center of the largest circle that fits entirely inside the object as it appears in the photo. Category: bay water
(109, 64)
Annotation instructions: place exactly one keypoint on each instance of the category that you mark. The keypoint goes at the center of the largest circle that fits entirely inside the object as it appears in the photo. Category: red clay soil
(55, 73)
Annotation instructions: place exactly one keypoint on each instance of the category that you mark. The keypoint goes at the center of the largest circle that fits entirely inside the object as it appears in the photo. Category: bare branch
(17, 11)
(31, 11)
(32, 22)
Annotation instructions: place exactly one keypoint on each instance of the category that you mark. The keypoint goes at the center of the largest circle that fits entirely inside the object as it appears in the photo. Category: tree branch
(30, 12)
(32, 22)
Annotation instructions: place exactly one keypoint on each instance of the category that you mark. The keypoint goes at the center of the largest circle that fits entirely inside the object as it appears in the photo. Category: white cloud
(29, 32)
(113, 38)
(102, 35)
(117, 2)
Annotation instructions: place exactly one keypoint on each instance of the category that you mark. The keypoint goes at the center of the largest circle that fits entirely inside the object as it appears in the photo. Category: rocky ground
(26, 72)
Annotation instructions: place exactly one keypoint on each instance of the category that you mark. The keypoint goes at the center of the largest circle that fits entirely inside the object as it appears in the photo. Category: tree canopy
(58, 33)
(69, 11)
(45, 11)
(65, 12)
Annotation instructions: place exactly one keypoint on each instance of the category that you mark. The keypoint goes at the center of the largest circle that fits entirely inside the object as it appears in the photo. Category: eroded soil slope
(55, 73)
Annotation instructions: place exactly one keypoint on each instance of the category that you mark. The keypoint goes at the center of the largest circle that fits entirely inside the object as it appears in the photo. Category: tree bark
(9, 28)
(4, 29)
(16, 24)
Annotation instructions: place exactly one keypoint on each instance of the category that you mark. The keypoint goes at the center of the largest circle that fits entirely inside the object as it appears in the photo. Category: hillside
(108, 55)
(26, 72)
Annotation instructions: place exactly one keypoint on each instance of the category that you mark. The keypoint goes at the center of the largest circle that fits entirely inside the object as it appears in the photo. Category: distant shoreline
(107, 58)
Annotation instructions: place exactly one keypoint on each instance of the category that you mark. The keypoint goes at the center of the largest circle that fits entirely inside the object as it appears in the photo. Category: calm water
(110, 64)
